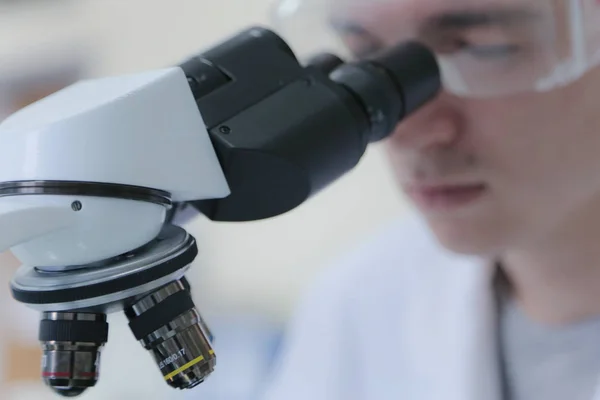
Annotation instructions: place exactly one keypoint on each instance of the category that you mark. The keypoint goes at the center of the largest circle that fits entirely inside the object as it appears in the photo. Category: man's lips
(445, 196)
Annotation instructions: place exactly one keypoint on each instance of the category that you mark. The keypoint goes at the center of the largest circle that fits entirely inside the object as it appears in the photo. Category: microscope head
(90, 172)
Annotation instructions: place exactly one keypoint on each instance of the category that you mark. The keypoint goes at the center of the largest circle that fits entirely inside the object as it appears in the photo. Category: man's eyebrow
(346, 27)
(350, 28)
(466, 19)
(448, 20)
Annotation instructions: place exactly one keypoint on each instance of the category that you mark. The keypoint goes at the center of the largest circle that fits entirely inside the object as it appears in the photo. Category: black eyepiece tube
(391, 85)
(415, 70)
(283, 131)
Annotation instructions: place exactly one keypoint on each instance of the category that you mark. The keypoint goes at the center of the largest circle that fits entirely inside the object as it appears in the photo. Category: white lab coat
(400, 319)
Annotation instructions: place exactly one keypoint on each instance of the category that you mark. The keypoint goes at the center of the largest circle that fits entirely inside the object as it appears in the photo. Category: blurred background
(247, 277)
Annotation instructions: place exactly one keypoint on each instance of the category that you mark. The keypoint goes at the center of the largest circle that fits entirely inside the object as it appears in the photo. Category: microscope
(92, 176)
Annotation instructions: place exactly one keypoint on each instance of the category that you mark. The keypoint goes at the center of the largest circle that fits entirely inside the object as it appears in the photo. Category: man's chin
(462, 237)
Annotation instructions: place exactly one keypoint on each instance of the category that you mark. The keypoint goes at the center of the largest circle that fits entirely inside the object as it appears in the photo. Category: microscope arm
(241, 132)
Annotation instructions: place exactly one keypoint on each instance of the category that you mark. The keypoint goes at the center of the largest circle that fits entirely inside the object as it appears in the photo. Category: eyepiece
(415, 70)
(167, 324)
(325, 62)
(391, 85)
(71, 344)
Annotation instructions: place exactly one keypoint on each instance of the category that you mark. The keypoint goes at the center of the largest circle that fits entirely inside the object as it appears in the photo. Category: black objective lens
(167, 324)
(71, 344)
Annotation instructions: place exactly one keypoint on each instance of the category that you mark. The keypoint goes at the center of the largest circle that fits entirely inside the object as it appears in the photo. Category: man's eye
(491, 51)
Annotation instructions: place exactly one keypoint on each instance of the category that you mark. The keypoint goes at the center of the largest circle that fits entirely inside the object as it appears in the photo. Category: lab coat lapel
(597, 393)
(466, 360)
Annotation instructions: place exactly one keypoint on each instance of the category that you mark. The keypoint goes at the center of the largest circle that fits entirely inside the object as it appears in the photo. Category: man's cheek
(399, 162)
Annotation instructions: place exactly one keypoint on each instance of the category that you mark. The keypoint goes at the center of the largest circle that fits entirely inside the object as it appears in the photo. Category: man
(492, 291)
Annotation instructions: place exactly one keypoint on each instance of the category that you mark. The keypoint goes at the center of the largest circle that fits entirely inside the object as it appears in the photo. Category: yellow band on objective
(184, 367)
(188, 365)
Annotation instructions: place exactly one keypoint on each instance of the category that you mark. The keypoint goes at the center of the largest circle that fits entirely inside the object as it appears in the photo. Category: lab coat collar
(462, 348)
(476, 335)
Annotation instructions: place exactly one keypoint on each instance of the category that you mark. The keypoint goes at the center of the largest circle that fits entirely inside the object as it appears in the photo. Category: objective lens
(167, 324)
(71, 344)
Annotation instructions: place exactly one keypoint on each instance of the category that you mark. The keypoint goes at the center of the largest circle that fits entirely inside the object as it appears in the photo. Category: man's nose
(438, 124)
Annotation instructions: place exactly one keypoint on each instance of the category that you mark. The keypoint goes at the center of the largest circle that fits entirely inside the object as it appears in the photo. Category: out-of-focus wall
(248, 276)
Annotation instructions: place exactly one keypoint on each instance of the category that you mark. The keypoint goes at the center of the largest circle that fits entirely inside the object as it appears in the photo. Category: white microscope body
(138, 130)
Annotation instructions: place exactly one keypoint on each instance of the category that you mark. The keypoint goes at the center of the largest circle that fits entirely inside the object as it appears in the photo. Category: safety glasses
(485, 48)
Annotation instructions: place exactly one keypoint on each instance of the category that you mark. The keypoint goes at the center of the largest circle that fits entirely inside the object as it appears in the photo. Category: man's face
(489, 174)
